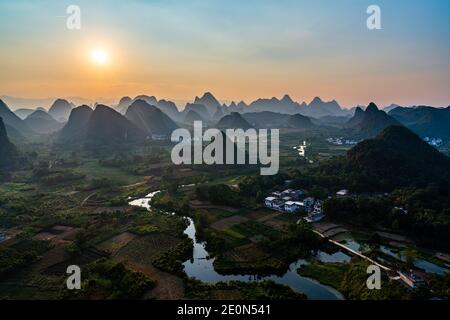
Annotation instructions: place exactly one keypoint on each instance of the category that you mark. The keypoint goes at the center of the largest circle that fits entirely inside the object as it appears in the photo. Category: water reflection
(201, 266)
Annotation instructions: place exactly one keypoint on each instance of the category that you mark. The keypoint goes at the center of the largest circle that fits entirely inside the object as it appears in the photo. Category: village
(311, 209)
(296, 201)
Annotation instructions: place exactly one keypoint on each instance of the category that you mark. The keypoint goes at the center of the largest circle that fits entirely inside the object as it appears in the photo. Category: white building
(291, 206)
(308, 203)
(269, 201)
(276, 194)
(342, 193)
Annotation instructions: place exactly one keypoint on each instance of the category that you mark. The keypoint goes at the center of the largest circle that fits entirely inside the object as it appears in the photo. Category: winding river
(201, 266)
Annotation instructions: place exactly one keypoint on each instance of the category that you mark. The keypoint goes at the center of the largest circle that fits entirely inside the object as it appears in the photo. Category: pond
(201, 267)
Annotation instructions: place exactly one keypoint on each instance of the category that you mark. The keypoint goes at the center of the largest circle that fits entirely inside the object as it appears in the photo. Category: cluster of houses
(342, 141)
(435, 142)
(295, 201)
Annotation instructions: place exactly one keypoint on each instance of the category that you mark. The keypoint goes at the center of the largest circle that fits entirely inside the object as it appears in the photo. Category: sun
(99, 56)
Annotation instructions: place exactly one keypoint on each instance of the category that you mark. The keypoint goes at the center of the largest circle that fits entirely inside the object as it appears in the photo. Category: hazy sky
(236, 49)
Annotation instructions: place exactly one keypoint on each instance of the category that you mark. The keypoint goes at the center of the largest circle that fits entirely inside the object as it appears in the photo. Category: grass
(253, 228)
(330, 274)
(288, 217)
(234, 233)
(93, 169)
(145, 249)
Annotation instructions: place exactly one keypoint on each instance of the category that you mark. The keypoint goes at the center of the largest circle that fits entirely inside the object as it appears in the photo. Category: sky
(238, 50)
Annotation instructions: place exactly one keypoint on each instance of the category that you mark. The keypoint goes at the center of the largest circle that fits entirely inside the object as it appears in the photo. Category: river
(201, 267)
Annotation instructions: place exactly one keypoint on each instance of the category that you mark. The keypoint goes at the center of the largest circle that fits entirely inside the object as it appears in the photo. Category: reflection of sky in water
(333, 258)
(419, 263)
(352, 244)
(144, 202)
(203, 269)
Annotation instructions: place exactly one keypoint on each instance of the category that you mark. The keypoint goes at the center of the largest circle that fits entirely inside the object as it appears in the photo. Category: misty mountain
(151, 100)
(318, 108)
(170, 109)
(41, 122)
(391, 107)
(357, 118)
(218, 115)
(285, 105)
(24, 112)
(333, 121)
(192, 116)
(76, 127)
(369, 123)
(15, 126)
(123, 105)
(266, 119)
(150, 119)
(425, 121)
(60, 110)
(29, 103)
(233, 107)
(210, 102)
(200, 109)
(108, 128)
(166, 106)
(8, 151)
(233, 121)
(17, 103)
(299, 122)
(240, 107)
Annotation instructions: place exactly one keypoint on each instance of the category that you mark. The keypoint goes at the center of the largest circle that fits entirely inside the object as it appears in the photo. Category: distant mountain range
(425, 121)
(209, 101)
(261, 113)
(29, 103)
(316, 108)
